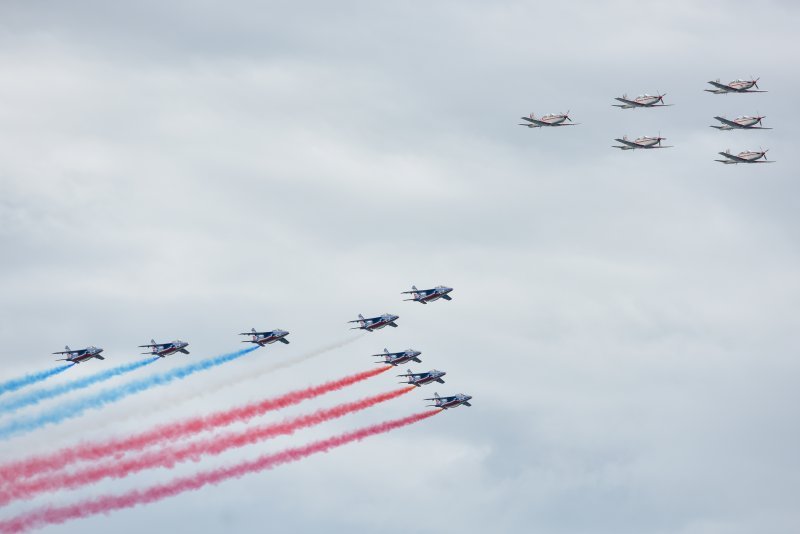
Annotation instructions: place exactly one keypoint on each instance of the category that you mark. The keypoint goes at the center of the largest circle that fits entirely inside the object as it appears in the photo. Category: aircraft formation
(648, 142)
(370, 324)
(268, 337)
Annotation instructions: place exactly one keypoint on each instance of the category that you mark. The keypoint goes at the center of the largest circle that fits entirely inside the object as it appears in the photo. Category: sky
(626, 321)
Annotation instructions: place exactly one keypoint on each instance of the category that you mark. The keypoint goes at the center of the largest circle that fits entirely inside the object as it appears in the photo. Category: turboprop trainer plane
(552, 119)
(744, 122)
(641, 101)
(165, 349)
(642, 142)
(736, 86)
(266, 338)
(80, 355)
(748, 156)
(375, 323)
(428, 295)
(420, 379)
(399, 358)
(450, 402)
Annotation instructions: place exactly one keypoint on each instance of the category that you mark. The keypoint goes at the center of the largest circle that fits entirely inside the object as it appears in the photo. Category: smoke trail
(108, 396)
(58, 514)
(17, 383)
(35, 397)
(167, 457)
(15, 471)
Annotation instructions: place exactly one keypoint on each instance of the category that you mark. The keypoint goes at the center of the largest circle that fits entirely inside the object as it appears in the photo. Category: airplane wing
(99, 357)
(534, 122)
(465, 403)
(723, 120)
(393, 324)
(184, 351)
(159, 345)
(629, 144)
(75, 352)
(719, 86)
(447, 297)
(735, 159)
(284, 341)
(628, 103)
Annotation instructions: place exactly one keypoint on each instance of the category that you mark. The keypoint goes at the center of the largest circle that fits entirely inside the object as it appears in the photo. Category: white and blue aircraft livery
(375, 323)
(552, 119)
(450, 402)
(645, 142)
(748, 156)
(399, 358)
(165, 349)
(428, 295)
(641, 101)
(266, 338)
(80, 355)
(736, 86)
(420, 379)
(745, 122)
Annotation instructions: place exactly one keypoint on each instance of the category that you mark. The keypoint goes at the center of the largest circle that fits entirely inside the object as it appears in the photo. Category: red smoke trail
(109, 503)
(190, 451)
(13, 472)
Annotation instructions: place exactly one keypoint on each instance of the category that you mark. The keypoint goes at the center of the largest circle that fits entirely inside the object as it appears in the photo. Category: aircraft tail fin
(360, 316)
(253, 330)
(66, 348)
(152, 341)
(414, 288)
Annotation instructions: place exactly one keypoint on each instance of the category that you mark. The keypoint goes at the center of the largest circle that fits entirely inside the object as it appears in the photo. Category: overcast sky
(626, 321)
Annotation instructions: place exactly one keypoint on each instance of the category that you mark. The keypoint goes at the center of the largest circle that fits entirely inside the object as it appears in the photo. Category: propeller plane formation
(744, 122)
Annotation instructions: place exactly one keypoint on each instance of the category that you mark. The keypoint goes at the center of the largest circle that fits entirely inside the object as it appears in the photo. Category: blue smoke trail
(17, 383)
(35, 397)
(75, 408)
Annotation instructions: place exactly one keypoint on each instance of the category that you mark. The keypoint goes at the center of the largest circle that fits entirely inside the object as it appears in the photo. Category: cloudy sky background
(626, 321)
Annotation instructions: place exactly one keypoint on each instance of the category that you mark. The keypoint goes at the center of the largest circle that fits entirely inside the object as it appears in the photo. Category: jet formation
(744, 122)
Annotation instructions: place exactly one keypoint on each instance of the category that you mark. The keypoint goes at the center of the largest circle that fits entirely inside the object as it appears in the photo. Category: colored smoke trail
(17, 383)
(58, 514)
(168, 457)
(35, 397)
(58, 460)
(94, 402)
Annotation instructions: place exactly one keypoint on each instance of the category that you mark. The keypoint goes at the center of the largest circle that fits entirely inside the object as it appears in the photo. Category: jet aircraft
(428, 295)
(642, 142)
(736, 86)
(748, 156)
(450, 402)
(641, 101)
(552, 119)
(375, 323)
(266, 338)
(399, 358)
(165, 349)
(80, 355)
(420, 379)
(744, 122)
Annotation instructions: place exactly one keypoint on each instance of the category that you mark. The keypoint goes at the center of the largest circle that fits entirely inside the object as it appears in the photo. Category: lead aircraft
(80, 355)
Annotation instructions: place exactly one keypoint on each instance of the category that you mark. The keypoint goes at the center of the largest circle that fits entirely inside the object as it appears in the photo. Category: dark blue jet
(266, 338)
(399, 358)
(420, 379)
(165, 349)
(450, 402)
(428, 295)
(80, 355)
